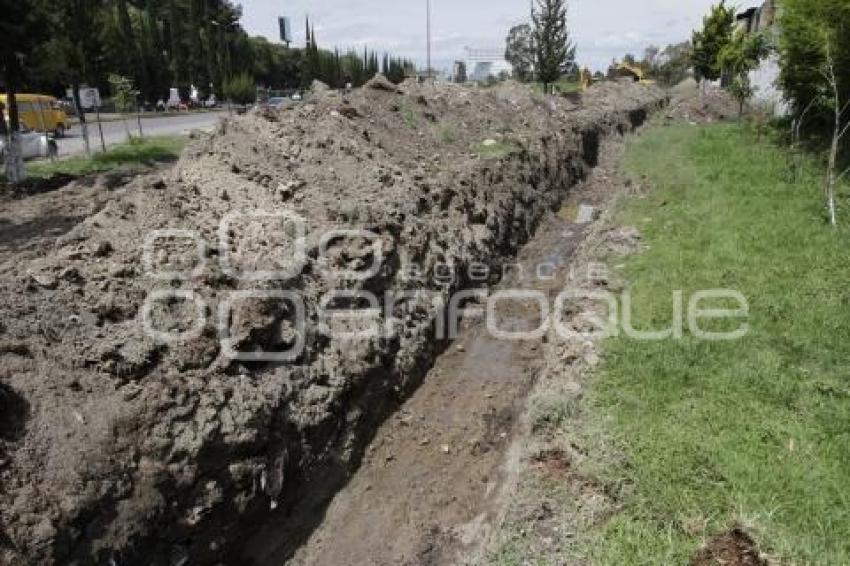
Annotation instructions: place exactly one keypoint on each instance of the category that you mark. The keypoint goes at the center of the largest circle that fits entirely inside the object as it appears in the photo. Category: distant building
(483, 64)
(761, 18)
(765, 19)
(459, 72)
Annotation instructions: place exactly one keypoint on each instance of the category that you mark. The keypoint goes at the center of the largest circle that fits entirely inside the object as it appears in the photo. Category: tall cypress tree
(555, 52)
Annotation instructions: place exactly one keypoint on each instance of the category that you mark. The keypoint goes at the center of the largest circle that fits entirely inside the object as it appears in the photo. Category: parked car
(40, 113)
(34, 145)
(277, 102)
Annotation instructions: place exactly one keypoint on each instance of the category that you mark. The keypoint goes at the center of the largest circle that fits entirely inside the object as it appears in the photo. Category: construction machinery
(627, 70)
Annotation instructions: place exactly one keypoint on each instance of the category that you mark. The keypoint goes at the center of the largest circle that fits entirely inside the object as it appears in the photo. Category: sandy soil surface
(139, 422)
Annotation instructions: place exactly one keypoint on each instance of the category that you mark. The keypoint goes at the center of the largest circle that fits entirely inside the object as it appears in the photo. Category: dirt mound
(172, 351)
(733, 548)
(380, 82)
(693, 103)
(318, 86)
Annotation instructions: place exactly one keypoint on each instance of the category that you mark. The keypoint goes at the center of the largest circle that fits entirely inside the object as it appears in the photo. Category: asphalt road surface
(115, 132)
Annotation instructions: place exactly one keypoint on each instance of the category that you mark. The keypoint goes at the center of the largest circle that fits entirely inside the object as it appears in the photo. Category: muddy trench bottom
(427, 490)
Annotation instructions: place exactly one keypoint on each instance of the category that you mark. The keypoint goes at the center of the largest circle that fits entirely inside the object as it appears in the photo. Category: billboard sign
(89, 97)
(285, 30)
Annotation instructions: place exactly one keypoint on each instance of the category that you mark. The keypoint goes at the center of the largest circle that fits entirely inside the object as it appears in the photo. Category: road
(115, 132)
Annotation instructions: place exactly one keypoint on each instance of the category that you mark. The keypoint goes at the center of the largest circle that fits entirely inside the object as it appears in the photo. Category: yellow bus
(39, 113)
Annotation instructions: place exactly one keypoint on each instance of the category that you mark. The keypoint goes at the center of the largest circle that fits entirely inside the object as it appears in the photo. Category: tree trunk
(15, 171)
(831, 180)
(81, 114)
(4, 128)
(830, 172)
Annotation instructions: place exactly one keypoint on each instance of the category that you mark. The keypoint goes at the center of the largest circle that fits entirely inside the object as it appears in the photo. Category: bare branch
(809, 107)
(838, 179)
(843, 110)
(844, 131)
(798, 124)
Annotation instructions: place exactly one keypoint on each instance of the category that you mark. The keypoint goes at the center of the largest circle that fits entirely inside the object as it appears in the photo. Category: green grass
(446, 133)
(146, 152)
(493, 151)
(552, 413)
(754, 431)
(409, 117)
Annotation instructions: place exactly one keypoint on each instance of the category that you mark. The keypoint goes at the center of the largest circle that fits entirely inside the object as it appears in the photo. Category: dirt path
(429, 488)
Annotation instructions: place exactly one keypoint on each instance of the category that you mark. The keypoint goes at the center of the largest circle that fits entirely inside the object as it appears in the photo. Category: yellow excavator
(626, 70)
(585, 77)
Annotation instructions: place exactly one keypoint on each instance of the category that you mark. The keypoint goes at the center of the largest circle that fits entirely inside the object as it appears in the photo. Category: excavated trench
(121, 447)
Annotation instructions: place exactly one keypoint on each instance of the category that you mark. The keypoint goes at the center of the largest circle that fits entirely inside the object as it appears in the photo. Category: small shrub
(551, 414)
(447, 133)
(408, 115)
(241, 90)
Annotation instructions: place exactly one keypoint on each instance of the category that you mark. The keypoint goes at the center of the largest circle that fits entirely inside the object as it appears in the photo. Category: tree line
(163, 44)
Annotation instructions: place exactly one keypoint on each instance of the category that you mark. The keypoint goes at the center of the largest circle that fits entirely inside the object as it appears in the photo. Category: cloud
(602, 29)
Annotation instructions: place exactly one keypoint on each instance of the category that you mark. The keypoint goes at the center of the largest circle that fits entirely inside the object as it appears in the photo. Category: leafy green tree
(519, 51)
(810, 28)
(738, 58)
(675, 65)
(555, 52)
(241, 89)
(77, 23)
(131, 57)
(710, 41)
(124, 96)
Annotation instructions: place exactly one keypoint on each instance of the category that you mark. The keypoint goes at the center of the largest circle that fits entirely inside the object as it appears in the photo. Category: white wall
(767, 92)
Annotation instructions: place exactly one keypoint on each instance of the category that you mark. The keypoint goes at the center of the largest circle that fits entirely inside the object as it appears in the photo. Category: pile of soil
(696, 104)
(732, 548)
(117, 445)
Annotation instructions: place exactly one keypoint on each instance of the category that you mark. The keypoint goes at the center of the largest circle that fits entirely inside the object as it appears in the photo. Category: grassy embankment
(139, 152)
(754, 432)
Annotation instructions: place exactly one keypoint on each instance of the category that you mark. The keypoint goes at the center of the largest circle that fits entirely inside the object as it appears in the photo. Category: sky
(601, 29)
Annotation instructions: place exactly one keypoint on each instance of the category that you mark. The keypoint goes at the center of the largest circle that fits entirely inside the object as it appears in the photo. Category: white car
(33, 145)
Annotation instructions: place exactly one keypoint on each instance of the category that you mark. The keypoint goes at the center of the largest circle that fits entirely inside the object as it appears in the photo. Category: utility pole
(428, 26)
(533, 46)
